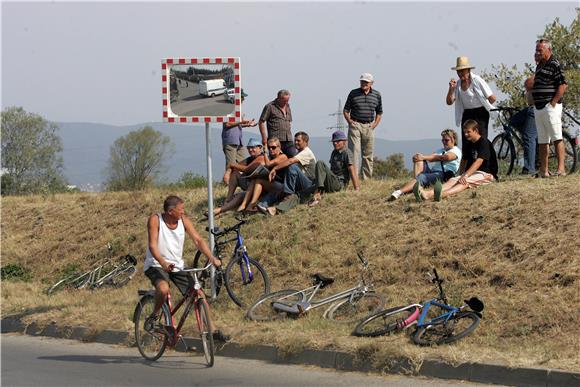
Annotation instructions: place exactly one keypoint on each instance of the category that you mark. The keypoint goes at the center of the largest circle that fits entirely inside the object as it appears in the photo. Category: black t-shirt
(481, 149)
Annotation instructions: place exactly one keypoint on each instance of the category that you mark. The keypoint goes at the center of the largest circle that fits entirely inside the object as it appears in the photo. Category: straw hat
(462, 63)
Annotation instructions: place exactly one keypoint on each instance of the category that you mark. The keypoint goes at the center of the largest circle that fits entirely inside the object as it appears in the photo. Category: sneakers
(438, 189)
(417, 192)
(394, 196)
(220, 336)
(150, 323)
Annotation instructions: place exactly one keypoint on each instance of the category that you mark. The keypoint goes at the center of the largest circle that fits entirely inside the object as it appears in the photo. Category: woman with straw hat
(472, 96)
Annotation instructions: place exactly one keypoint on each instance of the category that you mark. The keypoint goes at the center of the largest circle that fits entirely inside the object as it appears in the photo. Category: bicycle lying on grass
(449, 324)
(245, 279)
(508, 145)
(152, 340)
(346, 306)
(109, 273)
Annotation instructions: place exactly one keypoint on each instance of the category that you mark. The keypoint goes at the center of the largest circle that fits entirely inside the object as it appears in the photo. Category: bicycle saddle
(475, 304)
(322, 280)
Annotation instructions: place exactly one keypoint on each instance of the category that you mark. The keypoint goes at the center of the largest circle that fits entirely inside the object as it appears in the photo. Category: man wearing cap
(548, 90)
(232, 145)
(341, 169)
(472, 96)
(277, 119)
(363, 110)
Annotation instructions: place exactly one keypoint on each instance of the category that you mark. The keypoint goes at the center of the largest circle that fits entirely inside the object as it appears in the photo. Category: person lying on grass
(339, 174)
(445, 164)
(478, 167)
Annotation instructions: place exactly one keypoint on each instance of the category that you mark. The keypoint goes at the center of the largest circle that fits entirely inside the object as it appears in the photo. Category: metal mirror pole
(210, 203)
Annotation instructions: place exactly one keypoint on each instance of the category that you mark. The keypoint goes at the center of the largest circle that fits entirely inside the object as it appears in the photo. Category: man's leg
(419, 167)
(161, 292)
(561, 155)
(232, 185)
(529, 138)
(367, 150)
(543, 126)
(230, 153)
(354, 137)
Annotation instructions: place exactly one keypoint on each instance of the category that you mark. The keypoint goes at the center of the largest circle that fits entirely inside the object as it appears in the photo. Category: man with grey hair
(548, 90)
(277, 118)
(363, 110)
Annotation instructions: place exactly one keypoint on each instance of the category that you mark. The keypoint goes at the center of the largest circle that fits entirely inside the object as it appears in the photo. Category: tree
(566, 47)
(136, 159)
(30, 154)
(393, 166)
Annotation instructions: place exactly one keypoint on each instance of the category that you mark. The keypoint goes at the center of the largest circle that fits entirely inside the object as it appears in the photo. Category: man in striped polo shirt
(549, 87)
(363, 110)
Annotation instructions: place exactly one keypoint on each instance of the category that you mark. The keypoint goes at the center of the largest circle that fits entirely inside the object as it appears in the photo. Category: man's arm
(199, 241)
(282, 165)
(462, 165)
(249, 167)
(277, 161)
(262, 124)
(376, 121)
(474, 167)
(448, 156)
(153, 235)
(347, 117)
(353, 177)
(559, 94)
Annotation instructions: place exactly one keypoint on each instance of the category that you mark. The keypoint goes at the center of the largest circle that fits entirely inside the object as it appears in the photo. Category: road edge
(343, 361)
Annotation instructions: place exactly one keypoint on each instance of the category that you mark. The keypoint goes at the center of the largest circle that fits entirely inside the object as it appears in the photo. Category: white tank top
(170, 245)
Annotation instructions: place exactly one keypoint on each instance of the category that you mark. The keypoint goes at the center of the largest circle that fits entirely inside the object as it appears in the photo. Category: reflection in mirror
(201, 89)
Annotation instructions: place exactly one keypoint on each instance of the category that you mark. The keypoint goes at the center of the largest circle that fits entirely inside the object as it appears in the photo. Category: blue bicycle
(245, 279)
(436, 321)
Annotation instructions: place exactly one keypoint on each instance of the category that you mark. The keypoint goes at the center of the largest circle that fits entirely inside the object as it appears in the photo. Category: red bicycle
(153, 339)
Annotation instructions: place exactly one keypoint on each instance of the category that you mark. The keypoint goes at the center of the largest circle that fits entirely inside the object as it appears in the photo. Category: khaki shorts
(549, 123)
(234, 153)
(478, 178)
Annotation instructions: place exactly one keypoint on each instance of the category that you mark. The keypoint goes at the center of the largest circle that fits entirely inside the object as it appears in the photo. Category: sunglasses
(273, 147)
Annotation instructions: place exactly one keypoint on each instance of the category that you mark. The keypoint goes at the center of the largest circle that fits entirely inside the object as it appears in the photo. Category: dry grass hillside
(514, 244)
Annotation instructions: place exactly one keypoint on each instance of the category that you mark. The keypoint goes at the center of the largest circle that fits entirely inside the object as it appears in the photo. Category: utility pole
(339, 119)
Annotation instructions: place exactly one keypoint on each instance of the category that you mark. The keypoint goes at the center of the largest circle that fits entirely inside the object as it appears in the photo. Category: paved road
(191, 103)
(43, 361)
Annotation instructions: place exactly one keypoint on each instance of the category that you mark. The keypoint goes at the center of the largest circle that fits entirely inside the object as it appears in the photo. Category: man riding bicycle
(165, 253)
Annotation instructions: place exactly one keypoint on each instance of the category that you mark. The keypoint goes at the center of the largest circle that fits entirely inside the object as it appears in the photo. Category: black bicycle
(245, 278)
(508, 145)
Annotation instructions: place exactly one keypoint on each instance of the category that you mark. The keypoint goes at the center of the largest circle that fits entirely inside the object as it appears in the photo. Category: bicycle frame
(309, 303)
(193, 294)
(441, 319)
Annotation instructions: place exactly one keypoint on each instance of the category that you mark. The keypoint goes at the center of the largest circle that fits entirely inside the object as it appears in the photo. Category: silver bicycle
(346, 306)
(108, 273)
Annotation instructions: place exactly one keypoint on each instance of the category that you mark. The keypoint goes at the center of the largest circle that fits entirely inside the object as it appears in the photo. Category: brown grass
(513, 244)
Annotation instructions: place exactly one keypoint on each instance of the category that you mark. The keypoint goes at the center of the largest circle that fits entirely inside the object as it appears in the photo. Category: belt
(363, 122)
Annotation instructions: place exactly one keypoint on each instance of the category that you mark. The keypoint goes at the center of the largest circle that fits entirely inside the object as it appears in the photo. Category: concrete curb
(473, 372)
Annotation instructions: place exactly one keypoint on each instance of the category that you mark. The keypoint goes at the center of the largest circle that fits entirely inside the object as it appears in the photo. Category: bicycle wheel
(150, 342)
(245, 281)
(203, 323)
(204, 277)
(262, 309)
(348, 311)
(384, 322)
(570, 154)
(458, 326)
(75, 281)
(122, 277)
(505, 153)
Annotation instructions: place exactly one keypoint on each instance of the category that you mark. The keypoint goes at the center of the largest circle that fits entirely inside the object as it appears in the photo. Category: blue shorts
(428, 176)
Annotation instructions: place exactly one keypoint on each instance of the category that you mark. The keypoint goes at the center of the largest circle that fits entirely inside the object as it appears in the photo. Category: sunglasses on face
(273, 147)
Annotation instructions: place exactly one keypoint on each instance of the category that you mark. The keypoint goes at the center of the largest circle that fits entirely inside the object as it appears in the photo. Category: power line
(339, 119)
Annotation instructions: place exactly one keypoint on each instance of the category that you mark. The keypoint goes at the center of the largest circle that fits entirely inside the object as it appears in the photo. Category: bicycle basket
(475, 304)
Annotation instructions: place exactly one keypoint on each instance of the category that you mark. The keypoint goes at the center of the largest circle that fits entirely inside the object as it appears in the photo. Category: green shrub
(14, 271)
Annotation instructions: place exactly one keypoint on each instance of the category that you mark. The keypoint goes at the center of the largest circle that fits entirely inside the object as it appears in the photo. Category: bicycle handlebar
(218, 232)
(194, 270)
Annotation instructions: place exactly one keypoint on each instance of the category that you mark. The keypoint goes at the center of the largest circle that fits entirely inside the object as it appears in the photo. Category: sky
(100, 62)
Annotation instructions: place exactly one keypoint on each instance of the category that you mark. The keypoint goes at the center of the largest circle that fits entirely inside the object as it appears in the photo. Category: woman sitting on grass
(445, 163)
(260, 184)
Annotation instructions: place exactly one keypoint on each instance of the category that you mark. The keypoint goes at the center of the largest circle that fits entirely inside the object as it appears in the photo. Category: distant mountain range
(86, 150)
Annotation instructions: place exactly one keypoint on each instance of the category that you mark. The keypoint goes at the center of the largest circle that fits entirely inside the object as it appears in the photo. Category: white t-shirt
(307, 160)
(170, 245)
(469, 99)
